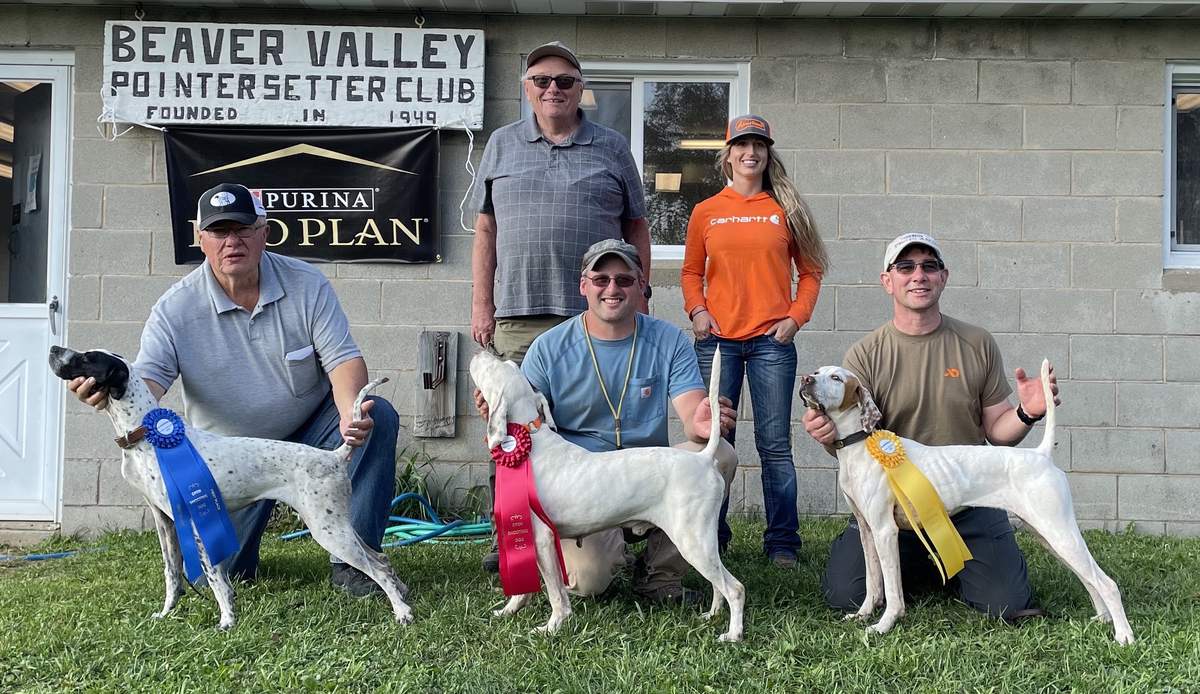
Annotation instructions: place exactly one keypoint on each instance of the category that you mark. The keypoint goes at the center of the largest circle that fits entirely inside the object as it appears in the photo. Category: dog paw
(729, 637)
(404, 617)
(226, 624)
(1125, 639)
(547, 628)
(883, 626)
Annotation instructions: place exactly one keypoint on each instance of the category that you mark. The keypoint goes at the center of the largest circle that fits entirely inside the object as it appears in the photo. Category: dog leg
(218, 581)
(873, 574)
(699, 548)
(1051, 516)
(556, 591)
(885, 536)
(341, 541)
(1098, 605)
(514, 605)
(172, 560)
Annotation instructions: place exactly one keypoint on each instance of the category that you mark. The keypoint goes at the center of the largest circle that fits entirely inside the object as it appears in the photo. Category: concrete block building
(1054, 149)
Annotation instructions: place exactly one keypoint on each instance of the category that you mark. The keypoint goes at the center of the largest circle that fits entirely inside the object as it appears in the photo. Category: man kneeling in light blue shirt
(609, 375)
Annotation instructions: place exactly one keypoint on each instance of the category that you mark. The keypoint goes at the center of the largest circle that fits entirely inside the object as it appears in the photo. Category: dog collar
(849, 440)
(531, 427)
(131, 438)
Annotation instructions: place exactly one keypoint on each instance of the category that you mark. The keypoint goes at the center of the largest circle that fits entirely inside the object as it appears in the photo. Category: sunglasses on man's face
(601, 281)
(908, 267)
(563, 82)
(240, 232)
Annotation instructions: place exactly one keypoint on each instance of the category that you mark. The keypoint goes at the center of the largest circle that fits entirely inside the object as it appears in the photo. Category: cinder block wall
(1032, 148)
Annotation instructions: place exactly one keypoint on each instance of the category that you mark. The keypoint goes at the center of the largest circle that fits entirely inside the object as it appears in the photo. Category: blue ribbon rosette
(196, 500)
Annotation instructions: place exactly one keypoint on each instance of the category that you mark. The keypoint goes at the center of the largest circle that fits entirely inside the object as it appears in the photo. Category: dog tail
(714, 390)
(345, 449)
(1046, 447)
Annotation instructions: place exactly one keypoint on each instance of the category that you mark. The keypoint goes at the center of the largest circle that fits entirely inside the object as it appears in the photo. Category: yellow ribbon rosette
(921, 504)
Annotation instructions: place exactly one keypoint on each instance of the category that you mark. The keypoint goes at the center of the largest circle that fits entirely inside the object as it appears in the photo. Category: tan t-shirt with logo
(932, 388)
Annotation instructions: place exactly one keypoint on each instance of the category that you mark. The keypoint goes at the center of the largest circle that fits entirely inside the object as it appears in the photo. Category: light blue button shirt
(664, 366)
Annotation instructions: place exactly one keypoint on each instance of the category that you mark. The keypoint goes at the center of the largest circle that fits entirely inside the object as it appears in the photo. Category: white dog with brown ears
(677, 491)
(1023, 481)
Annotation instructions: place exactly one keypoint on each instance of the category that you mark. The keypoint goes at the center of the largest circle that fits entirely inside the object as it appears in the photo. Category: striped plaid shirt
(551, 202)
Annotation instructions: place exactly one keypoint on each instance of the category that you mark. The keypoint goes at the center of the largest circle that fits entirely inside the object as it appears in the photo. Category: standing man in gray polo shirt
(263, 349)
(549, 187)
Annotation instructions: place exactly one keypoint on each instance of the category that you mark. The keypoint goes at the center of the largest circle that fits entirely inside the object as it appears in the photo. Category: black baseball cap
(228, 202)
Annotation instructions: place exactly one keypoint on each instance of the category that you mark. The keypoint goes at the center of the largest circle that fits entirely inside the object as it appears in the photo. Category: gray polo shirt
(551, 202)
(248, 373)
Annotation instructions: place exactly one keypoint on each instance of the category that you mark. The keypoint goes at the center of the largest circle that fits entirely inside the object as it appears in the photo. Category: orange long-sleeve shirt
(742, 247)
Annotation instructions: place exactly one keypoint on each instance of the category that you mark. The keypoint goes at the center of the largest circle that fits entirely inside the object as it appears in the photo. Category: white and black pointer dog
(312, 481)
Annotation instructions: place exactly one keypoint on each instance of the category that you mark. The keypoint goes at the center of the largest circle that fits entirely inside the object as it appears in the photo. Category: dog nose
(807, 379)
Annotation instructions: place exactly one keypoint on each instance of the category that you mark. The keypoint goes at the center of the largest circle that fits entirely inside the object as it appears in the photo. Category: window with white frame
(674, 116)
(1183, 167)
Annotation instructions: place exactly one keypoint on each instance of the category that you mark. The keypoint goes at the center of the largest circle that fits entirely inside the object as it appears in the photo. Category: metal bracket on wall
(437, 363)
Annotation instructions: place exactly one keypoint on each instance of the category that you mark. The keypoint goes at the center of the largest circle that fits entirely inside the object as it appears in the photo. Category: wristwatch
(1026, 419)
(647, 292)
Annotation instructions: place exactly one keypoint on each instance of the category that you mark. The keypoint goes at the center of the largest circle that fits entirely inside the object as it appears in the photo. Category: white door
(34, 139)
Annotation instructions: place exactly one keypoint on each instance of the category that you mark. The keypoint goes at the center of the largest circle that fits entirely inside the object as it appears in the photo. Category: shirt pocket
(645, 402)
(303, 370)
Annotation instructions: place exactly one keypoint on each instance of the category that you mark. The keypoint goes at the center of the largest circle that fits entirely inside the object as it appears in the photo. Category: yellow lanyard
(616, 411)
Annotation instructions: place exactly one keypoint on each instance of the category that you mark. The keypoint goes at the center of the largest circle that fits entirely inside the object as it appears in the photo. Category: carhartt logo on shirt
(745, 219)
(645, 392)
(952, 373)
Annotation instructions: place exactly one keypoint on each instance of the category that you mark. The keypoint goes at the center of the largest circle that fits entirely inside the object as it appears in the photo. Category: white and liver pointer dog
(1023, 481)
(582, 492)
(314, 482)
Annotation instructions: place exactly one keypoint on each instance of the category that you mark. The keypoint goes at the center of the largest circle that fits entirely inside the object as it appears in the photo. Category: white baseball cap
(903, 241)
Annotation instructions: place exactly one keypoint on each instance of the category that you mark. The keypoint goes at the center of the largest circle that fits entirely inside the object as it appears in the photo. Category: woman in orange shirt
(742, 244)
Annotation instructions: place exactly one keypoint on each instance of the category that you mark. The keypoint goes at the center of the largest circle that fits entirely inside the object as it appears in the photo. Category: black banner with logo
(331, 194)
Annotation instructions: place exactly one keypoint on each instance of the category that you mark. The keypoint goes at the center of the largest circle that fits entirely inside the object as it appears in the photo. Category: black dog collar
(850, 440)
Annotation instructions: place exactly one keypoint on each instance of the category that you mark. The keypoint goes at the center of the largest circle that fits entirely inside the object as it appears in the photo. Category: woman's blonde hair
(799, 218)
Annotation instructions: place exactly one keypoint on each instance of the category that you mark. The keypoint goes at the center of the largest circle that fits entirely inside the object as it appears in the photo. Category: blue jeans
(372, 482)
(771, 370)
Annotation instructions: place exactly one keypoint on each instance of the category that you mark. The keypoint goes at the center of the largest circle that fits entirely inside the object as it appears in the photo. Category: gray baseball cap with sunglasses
(554, 48)
(626, 252)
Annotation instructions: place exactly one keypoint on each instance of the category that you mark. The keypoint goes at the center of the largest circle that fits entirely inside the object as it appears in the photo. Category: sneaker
(353, 581)
(491, 560)
(784, 560)
(671, 595)
(1024, 615)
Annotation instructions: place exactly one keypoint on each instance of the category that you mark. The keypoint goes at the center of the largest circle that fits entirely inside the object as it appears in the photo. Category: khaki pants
(514, 335)
(597, 558)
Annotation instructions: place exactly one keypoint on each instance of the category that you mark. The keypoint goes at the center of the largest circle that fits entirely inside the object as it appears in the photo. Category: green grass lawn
(83, 623)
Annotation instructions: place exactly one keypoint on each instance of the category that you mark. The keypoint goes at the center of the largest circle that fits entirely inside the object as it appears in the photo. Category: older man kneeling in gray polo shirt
(263, 349)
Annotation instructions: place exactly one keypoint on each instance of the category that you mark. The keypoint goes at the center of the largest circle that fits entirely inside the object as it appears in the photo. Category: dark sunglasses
(240, 232)
(623, 281)
(563, 82)
(908, 267)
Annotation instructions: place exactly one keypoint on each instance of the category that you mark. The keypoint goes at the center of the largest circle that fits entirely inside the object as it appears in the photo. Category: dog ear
(497, 424)
(870, 412)
(544, 409)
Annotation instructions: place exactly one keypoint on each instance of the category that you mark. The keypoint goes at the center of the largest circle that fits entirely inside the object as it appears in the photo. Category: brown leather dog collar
(132, 438)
